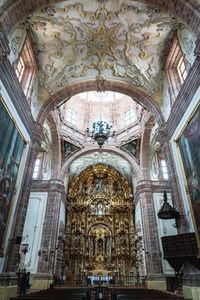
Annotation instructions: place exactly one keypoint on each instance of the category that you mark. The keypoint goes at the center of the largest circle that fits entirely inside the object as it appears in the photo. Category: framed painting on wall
(11, 148)
(189, 146)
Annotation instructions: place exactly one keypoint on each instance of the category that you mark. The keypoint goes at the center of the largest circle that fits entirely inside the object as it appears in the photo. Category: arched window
(26, 68)
(176, 70)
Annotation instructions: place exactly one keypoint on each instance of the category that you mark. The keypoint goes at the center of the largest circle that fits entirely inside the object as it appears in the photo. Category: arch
(99, 223)
(56, 151)
(132, 161)
(144, 152)
(114, 86)
(13, 12)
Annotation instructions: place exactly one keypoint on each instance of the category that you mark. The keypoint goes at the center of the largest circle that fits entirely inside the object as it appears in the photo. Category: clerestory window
(130, 116)
(175, 69)
(71, 116)
(26, 68)
(38, 166)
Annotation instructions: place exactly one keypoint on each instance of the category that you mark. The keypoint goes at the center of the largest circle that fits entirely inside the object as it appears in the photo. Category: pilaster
(163, 137)
(56, 194)
(12, 259)
(150, 235)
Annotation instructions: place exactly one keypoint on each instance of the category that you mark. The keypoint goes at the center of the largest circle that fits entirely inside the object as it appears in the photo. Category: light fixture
(101, 132)
(167, 211)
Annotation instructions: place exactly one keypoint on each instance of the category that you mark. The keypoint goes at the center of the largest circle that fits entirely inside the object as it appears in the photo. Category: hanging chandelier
(167, 212)
(101, 132)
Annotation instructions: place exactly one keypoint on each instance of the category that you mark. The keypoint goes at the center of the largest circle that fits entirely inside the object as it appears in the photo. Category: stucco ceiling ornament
(86, 40)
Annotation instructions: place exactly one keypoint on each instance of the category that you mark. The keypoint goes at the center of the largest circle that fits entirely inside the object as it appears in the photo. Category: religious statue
(100, 245)
(77, 241)
(99, 184)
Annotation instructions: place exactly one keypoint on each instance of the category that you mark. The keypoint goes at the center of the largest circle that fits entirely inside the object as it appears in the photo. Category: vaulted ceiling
(89, 40)
(110, 159)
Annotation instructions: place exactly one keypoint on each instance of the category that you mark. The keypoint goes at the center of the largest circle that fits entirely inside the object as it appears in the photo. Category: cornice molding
(149, 186)
(49, 186)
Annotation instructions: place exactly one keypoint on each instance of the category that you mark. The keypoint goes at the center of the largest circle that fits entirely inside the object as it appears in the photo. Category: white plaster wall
(138, 218)
(16, 41)
(61, 233)
(164, 227)
(177, 157)
(33, 228)
(187, 42)
(25, 135)
(138, 222)
(166, 106)
(62, 213)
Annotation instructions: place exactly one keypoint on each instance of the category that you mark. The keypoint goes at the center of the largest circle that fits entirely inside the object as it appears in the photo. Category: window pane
(130, 116)
(71, 116)
(164, 169)
(26, 68)
(36, 168)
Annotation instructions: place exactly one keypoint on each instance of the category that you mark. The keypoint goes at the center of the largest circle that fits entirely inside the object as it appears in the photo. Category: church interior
(100, 149)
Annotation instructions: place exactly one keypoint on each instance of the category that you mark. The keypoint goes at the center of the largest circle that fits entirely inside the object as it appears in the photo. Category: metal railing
(8, 279)
(95, 280)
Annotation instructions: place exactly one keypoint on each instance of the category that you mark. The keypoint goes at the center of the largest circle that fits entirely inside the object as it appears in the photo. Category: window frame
(129, 116)
(174, 75)
(26, 78)
(40, 157)
(70, 117)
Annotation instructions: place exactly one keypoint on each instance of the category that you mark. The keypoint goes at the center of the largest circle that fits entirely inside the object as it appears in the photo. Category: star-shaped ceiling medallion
(102, 41)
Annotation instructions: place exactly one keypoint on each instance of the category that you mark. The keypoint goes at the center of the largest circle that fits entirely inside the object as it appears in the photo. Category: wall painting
(11, 148)
(189, 145)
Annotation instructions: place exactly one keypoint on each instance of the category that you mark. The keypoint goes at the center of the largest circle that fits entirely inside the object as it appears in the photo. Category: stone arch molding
(13, 12)
(115, 86)
(131, 160)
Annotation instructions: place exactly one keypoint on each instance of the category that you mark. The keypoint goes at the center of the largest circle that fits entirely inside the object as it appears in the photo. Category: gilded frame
(188, 143)
(12, 144)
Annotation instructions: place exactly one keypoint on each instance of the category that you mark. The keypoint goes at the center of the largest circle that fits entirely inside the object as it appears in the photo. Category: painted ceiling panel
(94, 158)
(106, 39)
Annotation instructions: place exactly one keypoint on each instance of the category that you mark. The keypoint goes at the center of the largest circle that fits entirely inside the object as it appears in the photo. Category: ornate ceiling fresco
(101, 39)
(110, 159)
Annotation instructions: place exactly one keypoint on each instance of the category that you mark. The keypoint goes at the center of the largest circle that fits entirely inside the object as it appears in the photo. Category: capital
(163, 135)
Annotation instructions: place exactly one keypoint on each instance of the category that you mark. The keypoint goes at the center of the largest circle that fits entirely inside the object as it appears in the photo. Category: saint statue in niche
(77, 241)
(100, 245)
(117, 186)
(122, 241)
(99, 184)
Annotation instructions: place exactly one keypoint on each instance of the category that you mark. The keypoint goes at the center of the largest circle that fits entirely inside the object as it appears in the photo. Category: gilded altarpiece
(100, 224)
